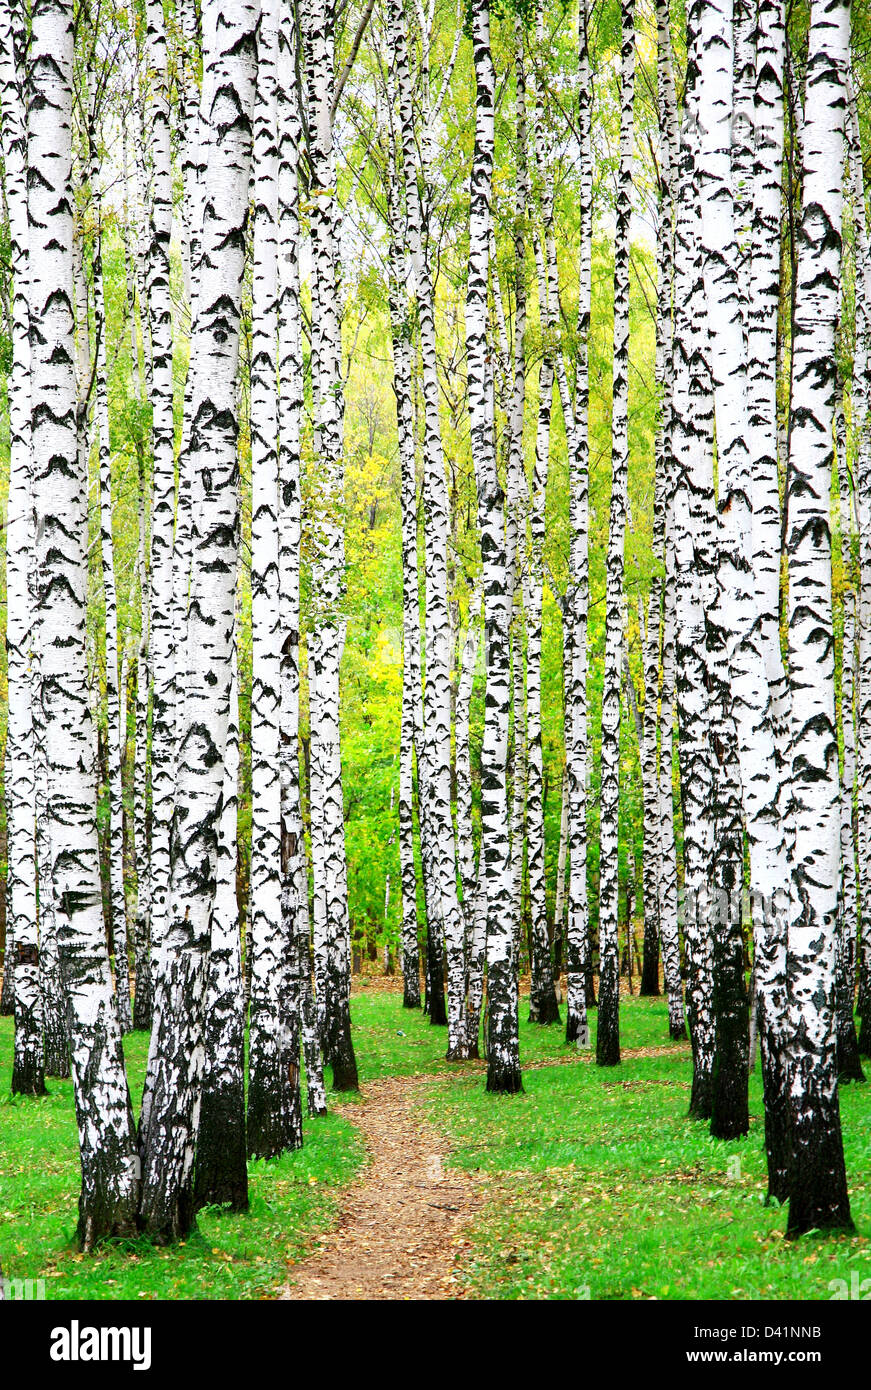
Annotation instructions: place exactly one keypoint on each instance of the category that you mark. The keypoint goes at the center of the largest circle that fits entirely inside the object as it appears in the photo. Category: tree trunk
(503, 1048)
(818, 1182)
(437, 823)
(28, 1064)
(401, 330)
(171, 1102)
(274, 1115)
(328, 578)
(299, 1019)
(106, 1135)
(221, 1170)
(162, 637)
(608, 1033)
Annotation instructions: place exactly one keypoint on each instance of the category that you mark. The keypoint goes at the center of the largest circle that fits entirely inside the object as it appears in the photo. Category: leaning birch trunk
(107, 1143)
(299, 1015)
(274, 1121)
(28, 1075)
(578, 952)
(221, 1172)
(608, 1035)
(171, 1101)
(818, 1181)
(328, 578)
(437, 822)
(503, 1045)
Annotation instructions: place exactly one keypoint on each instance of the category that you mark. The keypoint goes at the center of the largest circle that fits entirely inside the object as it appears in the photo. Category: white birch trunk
(105, 1120)
(503, 1051)
(22, 937)
(163, 505)
(578, 954)
(437, 821)
(274, 1120)
(170, 1108)
(608, 1034)
(818, 1184)
(300, 1012)
(221, 1173)
(328, 579)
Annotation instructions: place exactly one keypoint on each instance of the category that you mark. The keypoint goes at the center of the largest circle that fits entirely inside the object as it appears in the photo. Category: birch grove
(435, 452)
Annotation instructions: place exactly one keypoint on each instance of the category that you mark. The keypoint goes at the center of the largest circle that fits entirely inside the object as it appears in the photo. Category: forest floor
(403, 1221)
(591, 1183)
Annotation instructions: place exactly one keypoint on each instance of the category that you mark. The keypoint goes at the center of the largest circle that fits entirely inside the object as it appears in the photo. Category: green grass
(599, 1186)
(292, 1199)
(597, 1183)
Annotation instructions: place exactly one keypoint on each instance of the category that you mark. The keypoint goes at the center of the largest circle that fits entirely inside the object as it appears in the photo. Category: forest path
(400, 1222)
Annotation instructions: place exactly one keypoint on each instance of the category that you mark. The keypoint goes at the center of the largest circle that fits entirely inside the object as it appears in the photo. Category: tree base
(342, 1058)
(849, 1061)
(701, 1102)
(574, 1025)
(28, 1080)
(274, 1122)
(731, 1125)
(677, 1032)
(818, 1197)
(544, 1009)
(504, 1079)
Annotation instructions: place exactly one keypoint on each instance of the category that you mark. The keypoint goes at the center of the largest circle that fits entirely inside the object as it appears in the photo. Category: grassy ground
(598, 1186)
(292, 1199)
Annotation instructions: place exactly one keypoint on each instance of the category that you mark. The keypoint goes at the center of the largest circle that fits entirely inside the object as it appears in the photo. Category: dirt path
(402, 1220)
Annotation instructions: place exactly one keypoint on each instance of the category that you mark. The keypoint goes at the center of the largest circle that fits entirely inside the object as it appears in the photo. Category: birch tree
(332, 921)
(106, 1136)
(818, 1183)
(163, 473)
(170, 1108)
(22, 940)
(503, 1052)
(401, 334)
(443, 905)
(269, 1113)
(221, 1171)
(578, 953)
(300, 1014)
(608, 1034)
(543, 1007)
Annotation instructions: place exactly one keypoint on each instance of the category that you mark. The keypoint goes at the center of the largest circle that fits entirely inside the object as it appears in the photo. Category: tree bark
(106, 1134)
